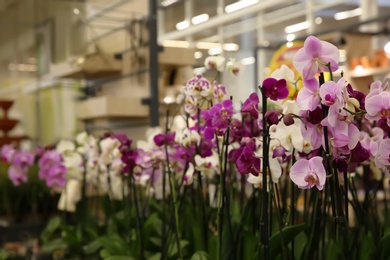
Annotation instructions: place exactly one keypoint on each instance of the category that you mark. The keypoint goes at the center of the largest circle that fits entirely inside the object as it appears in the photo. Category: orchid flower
(308, 173)
(214, 62)
(315, 56)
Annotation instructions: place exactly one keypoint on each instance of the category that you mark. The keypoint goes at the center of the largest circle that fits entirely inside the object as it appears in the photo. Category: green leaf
(55, 244)
(153, 225)
(385, 242)
(156, 256)
(173, 250)
(200, 255)
(92, 247)
(4, 255)
(288, 234)
(334, 251)
(119, 258)
(51, 227)
(156, 241)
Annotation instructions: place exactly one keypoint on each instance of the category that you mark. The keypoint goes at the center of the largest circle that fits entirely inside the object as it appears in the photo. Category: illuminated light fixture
(289, 44)
(348, 14)
(182, 25)
(297, 27)
(200, 19)
(176, 44)
(207, 45)
(166, 3)
(215, 51)
(239, 5)
(387, 48)
(265, 43)
(231, 47)
(76, 11)
(198, 55)
(318, 20)
(248, 61)
(290, 37)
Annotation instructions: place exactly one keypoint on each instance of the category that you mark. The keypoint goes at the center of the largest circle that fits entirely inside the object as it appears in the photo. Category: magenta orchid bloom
(221, 113)
(275, 89)
(251, 106)
(18, 174)
(315, 56)
(332, 92)
(309, 173)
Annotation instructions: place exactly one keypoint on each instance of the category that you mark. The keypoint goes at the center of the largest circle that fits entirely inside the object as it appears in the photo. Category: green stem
(264, 225)
(138, 217)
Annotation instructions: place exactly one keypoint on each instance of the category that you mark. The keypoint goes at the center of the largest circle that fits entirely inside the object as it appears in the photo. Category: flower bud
(272, 117)
(288, 119)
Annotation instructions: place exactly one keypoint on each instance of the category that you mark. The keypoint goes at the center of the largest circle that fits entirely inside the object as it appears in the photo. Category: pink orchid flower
(309, 97)
(309, 173)
(378, 106)
(332, 92)
(382, 158)
(315, 56)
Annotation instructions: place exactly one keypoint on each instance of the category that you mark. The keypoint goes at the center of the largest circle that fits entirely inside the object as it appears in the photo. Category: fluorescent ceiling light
(290, 37)
(231, 47)
(198, 55)
(200, 18)
(215, 51)
(166, 3)
(318, 20)
(348, 14)
(387, 48)
(176, 44)
(248, 61)
(182, 25)
(76, 11)
(207, 45)
(297, 27)
(239, 5)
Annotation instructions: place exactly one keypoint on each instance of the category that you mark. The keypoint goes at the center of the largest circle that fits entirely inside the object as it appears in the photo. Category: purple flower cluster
(20, 163)
(52, 170)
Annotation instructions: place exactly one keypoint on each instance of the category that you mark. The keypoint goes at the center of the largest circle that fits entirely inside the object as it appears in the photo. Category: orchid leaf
(173, 250)
(92, 247)
(385, 242)
(200, 255)
(288, 233)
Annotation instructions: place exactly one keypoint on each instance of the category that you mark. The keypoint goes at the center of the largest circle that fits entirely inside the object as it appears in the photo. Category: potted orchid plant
(292, 174)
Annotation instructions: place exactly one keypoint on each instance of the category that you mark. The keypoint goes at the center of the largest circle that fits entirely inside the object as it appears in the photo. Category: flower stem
(173, 192)
(264, 225)
(138, 217)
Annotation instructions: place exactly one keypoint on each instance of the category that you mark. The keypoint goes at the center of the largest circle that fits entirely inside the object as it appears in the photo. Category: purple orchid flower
(275, 89)
(251, 106)
(314, 57)
(308, 173)
(18, 174)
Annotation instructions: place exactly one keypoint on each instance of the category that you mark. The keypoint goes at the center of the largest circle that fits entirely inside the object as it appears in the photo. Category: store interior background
(72, 65)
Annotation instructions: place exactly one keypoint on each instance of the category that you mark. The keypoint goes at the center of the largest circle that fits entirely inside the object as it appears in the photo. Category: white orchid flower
(215, 62)
(207, 166)
(187, 137)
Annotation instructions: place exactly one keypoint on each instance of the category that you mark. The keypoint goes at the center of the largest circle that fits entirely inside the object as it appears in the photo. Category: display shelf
(369, 72)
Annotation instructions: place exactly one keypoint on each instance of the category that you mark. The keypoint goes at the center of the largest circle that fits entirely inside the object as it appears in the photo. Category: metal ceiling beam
(222, 19)
(106, 10)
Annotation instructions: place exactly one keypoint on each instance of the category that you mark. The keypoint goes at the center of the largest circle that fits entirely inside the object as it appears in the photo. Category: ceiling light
(198, 55)
(265, 43)
(166, 3)
(348, 14)
(318, 20)
(207, 45)
(290, 37)
(248, 60)
(182, 25)
(239, 5)
(297, 27)
(215, 51)
(289, 44)
(387, 48)
(176, 44)
(231, 47)
(200, 18)
(76, 11)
